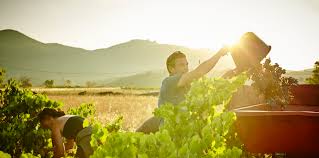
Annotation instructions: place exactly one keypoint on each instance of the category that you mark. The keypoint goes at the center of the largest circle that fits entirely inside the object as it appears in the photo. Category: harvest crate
(294, 130)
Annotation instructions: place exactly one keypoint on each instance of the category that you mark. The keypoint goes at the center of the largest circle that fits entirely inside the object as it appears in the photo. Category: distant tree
(48, 83)
(68, 83)
(25, 82)
(314, 79)
(90, 84)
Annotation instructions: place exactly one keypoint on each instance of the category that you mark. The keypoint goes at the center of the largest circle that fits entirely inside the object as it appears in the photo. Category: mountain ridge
(24, 56)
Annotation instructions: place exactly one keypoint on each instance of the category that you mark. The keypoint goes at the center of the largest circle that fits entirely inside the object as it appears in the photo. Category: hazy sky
(290, 26)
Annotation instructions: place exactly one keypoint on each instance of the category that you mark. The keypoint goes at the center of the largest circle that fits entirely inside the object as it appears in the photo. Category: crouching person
(71, 128)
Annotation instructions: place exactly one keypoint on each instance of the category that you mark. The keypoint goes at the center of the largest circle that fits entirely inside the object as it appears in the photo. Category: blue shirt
(170, 92)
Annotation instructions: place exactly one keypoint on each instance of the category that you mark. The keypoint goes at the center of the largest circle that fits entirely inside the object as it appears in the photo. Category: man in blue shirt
(176, 85)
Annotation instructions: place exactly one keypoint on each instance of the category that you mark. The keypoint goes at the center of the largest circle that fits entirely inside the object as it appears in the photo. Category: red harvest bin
(294, 130)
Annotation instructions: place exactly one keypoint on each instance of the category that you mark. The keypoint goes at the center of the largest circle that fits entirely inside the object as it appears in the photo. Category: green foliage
(19, 126)
(84, 110)
(4, 155)
(314, 79)
(269, 80)
(197, 127)
(29, 155)
(101, 131)
(2, 75)
(20, 132)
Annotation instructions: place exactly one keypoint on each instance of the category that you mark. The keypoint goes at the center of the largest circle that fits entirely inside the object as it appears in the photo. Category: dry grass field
(133, 105)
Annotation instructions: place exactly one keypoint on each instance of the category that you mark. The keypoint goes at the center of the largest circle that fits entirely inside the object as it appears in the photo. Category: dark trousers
(150, 126)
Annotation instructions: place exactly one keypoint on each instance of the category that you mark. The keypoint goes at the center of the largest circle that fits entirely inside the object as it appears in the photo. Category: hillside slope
(24, 56)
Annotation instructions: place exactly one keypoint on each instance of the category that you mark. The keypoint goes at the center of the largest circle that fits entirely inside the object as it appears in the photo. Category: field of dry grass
(134, 108)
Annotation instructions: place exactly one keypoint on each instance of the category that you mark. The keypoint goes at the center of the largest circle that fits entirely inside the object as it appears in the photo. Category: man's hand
(202, 69)
(223, 51)
(69, 144)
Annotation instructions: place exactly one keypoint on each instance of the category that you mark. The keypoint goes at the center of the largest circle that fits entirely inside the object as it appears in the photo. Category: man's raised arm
(202, 69)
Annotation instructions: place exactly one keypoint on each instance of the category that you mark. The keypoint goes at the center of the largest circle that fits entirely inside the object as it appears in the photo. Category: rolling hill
(136, 63)
(21, 55)
(300, 75)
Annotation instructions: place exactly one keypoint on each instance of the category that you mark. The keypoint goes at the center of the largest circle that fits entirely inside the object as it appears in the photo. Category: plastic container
(249, 51)
(294, 131)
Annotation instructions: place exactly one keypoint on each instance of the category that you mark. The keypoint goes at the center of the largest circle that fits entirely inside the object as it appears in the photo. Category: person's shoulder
(173, 79)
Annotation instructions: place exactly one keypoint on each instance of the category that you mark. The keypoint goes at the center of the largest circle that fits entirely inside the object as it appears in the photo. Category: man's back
(170, 92)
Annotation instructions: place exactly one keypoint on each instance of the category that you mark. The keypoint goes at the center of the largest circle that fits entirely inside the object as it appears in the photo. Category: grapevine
(197, 127)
